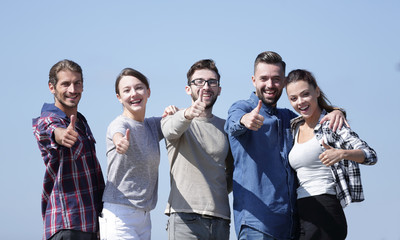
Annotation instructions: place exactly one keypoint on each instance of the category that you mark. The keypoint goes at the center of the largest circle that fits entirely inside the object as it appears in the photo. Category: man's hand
(336, 118)
(197, 107)
(170, 110)
(122, 142)
(67, 137)
(253, 120)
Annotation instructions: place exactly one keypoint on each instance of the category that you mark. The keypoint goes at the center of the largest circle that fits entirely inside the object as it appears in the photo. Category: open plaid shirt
(73, 182)
(346, 173)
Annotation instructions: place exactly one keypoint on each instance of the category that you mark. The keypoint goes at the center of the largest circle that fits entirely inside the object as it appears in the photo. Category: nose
(206, 85)
(268, 83)
(72, 88)
(133, 92)
(300, 100)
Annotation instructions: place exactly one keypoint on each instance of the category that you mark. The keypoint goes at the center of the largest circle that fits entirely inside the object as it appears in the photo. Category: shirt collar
(295, 121)
(51, 107)
(267, 108)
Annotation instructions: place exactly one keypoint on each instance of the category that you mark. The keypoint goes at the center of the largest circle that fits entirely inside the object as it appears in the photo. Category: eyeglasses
(199, 82)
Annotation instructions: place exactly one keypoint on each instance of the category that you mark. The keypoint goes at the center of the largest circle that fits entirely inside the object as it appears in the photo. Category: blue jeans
(249, 233)
(195, 226)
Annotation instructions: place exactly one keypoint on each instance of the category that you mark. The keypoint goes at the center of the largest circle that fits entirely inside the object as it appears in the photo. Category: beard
(63, 102)
(269, 101)
(208, 105)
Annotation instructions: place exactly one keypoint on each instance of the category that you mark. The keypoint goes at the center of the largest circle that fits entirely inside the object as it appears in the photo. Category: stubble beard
(269, 102)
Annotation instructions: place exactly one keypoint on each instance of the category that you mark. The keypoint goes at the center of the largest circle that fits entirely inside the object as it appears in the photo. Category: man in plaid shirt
(73, 182)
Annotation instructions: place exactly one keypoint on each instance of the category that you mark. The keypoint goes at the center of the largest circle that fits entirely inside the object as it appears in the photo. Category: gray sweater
(198, 150)
(132, 178)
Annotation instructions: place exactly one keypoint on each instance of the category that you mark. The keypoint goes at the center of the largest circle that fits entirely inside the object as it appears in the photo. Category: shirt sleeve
(173, 126)
(345, 138)
(232, 125)
(43, 129)
(117, 126)
(157, 125)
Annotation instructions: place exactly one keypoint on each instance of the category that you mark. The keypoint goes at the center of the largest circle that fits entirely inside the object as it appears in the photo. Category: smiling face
(269, 81)
(210, 94)
(304, 99)
(133, 95)
(67, 91)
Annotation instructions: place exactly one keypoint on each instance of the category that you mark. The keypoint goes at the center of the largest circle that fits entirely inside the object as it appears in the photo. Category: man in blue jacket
(264, 185)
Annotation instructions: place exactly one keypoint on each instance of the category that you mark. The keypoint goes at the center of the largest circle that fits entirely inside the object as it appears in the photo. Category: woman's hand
(331, 155)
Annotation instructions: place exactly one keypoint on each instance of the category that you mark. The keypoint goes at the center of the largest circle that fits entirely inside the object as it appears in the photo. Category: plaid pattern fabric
(346, 173)
(73, 182)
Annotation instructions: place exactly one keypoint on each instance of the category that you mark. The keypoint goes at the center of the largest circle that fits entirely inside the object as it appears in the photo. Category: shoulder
(49, 119)
(295, 122)
(119, 124)
(153, 121)
(218, 119)
(218, 122)
(242, 104)
(118, 120)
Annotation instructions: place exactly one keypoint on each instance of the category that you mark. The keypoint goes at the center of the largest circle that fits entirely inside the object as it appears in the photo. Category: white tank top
(314, 177)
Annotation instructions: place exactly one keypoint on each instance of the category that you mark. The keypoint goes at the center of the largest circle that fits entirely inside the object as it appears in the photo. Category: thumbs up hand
(253, 120)
(197, 107)
(67, 137)
(122, 142)
(331, 155)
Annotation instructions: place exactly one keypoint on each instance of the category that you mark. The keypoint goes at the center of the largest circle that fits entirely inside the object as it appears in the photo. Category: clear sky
(352, 47)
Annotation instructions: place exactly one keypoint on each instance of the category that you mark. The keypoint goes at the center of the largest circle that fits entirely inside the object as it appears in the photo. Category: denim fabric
(264, 184)
(249, 233)
(190, 226)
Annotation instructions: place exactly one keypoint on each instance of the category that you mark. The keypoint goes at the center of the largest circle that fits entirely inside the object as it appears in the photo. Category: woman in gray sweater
(133, 157)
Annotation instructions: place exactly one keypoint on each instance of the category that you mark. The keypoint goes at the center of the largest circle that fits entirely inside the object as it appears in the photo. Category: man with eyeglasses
(200, 161)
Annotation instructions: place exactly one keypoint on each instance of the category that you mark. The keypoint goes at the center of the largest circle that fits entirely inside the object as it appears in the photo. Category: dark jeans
(69, 234)
(322, 218)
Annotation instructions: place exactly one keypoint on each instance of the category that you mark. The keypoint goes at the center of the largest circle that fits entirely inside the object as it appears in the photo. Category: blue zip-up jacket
(264, 184)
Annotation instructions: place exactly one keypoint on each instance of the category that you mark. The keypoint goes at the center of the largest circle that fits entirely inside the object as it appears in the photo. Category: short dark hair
(133, 73)
(62, 66)
(270, 58)
(202, 64)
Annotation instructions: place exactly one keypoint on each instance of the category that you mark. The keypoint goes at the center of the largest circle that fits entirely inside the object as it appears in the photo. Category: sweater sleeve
(173, 126)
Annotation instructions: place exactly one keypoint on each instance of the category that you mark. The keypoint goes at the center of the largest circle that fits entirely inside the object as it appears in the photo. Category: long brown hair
(304, 75)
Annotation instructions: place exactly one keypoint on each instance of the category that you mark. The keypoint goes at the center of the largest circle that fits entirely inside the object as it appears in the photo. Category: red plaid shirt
(73, 183)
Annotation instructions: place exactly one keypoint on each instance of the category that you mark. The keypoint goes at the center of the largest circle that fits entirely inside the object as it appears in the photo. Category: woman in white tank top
(326, 162)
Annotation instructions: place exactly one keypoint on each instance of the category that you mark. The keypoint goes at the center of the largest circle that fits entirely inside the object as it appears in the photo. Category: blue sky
(352, 47)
